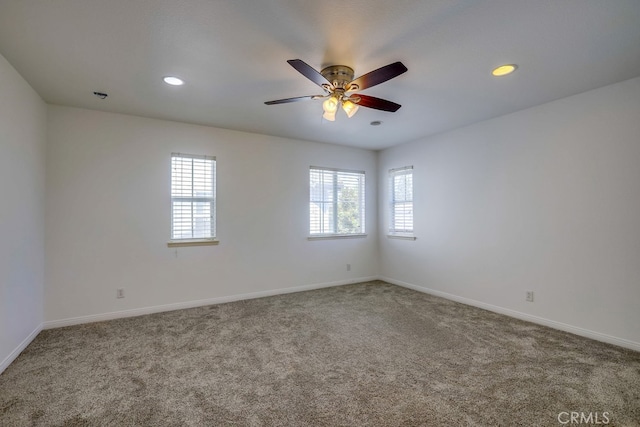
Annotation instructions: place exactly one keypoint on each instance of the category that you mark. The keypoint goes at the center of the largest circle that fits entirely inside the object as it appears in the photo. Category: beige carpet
(369, 354)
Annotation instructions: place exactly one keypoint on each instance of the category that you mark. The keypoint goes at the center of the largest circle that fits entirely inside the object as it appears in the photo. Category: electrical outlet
(348, 267)
(120, 293)
(529, 297)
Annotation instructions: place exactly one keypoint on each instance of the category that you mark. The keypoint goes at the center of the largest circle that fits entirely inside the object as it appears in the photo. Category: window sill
(336, 236)
(402, 236)
(192, 242)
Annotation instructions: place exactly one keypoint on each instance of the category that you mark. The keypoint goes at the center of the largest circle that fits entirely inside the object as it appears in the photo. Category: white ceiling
(233, 55)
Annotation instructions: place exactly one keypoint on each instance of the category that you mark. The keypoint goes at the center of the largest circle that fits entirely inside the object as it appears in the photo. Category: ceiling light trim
(173, 80)
(504, 70)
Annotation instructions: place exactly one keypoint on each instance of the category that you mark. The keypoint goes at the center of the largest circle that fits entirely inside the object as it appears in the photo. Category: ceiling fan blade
(378, 76)
(308, 71)
(287, 100)
(377, 103)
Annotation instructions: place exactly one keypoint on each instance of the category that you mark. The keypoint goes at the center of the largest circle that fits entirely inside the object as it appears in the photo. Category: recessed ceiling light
(504, 70)
(173, 81)
(375, 123)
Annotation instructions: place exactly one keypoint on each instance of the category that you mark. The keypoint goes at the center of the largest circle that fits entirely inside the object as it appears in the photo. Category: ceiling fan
(339, 86)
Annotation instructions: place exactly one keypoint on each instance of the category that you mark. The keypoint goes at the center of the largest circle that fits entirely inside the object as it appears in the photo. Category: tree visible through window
(193, 194)
(336, 203)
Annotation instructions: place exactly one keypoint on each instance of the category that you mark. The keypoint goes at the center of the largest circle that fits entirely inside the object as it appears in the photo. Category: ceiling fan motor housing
(339, 76)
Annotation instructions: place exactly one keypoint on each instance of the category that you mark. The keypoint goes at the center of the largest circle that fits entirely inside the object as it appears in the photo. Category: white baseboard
(522, 316)
(16, 352)
(219, 300)
(197, 303)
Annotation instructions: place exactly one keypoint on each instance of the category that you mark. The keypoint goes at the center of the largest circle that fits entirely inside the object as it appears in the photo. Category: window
(401, 185)
(336, 203)
(193, 199)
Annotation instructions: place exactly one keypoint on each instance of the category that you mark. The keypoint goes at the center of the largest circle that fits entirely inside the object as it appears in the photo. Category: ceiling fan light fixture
(329, 116)
(504, 70)
(330, 105)
(350, 108)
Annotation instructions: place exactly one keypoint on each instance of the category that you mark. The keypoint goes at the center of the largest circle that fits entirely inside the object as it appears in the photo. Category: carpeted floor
(369, 354)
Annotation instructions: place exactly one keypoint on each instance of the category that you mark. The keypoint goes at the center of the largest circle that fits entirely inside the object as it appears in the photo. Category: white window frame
(394, 230)
(210, 199)
(317, 214)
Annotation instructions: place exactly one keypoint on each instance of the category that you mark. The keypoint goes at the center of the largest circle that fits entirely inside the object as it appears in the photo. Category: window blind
(193, 194)
(336, 203)
(401, 185)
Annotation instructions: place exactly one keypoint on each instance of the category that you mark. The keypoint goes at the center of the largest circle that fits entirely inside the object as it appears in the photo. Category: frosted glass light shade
(350, 108)
(331, 116)
(330, 105)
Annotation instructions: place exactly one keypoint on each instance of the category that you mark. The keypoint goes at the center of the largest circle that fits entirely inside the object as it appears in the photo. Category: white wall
(108, 215)
(22, 168)
(546, 199)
